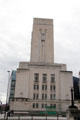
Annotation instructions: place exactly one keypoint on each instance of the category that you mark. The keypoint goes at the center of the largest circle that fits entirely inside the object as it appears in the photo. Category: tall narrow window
(52, 96)
(37, 105)
(35, 96)
(36, 87)
(33, 105)
(44, 78)
(44, 96)
(52, 87)
(52, 78)
(42, 105)
(36, 77)
(44, 87)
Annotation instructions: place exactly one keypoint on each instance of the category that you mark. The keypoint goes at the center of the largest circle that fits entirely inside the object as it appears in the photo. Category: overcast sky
(16, 19)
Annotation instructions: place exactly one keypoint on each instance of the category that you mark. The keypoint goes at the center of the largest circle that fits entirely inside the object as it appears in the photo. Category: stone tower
(41, 82)
(42, 41)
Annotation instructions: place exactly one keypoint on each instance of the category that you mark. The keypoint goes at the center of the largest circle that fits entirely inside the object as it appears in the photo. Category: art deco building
(41, 82)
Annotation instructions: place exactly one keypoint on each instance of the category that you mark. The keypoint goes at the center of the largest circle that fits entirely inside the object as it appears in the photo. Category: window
(35, 105)
(42, 105)
(52, 96)
(36, 87)
(45, 105)
(52, 78)
(44, 78)
(44, 87)
(44, 96)
(35, 96)
(52, 87)
(36, 77)
(53, 105)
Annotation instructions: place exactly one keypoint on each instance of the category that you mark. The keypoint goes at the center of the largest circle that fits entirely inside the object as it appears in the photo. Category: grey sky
(16, 17)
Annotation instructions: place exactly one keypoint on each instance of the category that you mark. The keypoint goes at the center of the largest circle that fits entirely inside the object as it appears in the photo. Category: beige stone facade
(41, 82)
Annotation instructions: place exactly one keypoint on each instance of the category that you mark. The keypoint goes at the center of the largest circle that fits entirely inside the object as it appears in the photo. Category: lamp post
(8, 87)
(7, 95)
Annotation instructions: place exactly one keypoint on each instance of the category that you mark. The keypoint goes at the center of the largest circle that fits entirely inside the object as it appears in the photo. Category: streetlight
(7, 95)
(8, 87)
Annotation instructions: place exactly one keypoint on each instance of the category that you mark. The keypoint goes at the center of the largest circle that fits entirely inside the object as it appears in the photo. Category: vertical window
(36, 77)
(36, 87)
(53, 105)
(42, 105)
(52, 96)
(37, 105)
(44, 78)
(33, 105)
(45, 105)
(52, 87)
(44, 96)
(35, 96)
(44, 87)
(52, 78)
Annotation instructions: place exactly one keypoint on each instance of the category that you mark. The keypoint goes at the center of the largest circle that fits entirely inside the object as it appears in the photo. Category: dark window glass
(42, 105)
(37, 96)
(45, 96)
(36, 87)
(52, 87)
(37, 105)
(45, 105)
(42, 96)
(33, 96)
(36, 77)
(52, 96)
(44, 78)
(44, 87)
(52, 78)
(33, 105)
